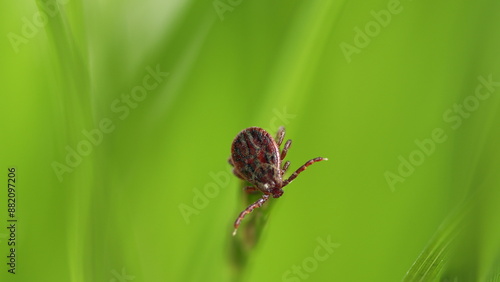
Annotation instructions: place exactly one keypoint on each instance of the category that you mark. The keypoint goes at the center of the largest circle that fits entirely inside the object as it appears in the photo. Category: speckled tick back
(256, 158)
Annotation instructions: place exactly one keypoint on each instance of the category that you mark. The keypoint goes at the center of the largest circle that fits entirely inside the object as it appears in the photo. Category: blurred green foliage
(119, 115)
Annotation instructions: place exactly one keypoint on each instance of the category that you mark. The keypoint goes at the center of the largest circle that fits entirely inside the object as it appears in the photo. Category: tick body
(256, 158)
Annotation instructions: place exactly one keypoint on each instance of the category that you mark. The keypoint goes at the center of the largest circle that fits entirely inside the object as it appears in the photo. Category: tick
(256, 158)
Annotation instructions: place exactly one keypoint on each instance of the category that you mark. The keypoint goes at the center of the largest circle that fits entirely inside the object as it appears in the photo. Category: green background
(115, 212)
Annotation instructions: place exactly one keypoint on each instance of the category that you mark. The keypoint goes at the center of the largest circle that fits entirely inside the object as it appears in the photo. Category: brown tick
(256, 158)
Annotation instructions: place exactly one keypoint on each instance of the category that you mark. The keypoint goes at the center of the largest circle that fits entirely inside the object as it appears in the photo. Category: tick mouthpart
(277, 192)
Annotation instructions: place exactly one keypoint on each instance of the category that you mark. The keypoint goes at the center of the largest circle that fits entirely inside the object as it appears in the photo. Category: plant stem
(249, 233)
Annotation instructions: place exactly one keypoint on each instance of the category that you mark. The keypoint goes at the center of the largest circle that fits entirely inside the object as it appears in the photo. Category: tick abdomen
(255, 155)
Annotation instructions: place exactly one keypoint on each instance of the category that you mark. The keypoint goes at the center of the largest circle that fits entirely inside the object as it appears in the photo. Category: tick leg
(250, 189)
(301, 169)
(230, 161)
(285, 149)
(280, 135)
(285, 167)
(248, 210)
